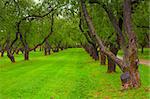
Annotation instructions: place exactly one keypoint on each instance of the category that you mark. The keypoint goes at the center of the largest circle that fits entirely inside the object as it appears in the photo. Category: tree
(141, 24)
(130, 64)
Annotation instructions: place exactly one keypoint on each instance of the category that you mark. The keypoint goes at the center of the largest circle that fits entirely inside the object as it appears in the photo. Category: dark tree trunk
(142, 49)
(22, 50)
(102, 58)
(47, 48)
(26, 52)
(95, 52)
(26, 55)
(48, 51)
(45, 51)
(94, 35)
(40, 48)
(111, 63)
(62, 48)
(129, 64)
(57, 49)
(10, 56)
(132, 78)
(2, 53)
(17, 51)
(92, 50)
(96, 56)
(35, 50)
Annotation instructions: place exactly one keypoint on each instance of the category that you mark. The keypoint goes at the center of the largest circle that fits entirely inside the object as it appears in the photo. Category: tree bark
(26, 55)
(142, 49)
(132, 57)
(11, 56)
(95, 55)
(102, 58)
(2, 53)
(96, 37)
(17, 51)
(35, 50)
(93, 51)
(47, 48)
(45, 51)
(111, 63)
(129, 64)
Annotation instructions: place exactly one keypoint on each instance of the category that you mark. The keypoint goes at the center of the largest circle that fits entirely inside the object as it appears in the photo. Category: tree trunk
(48, 51)
(35, 50)
(95, 52)
(94, 35)
(17, 51)
(10, 56)
(62, 48)
(96, 56)
(102, 58)
(2, 53)
(26, 55)
(92, 50)
(22, 50)
(26, 52)
(111, 63)
(129, 64)
(40, 48)
(142, 49)
(47, 48)
(45, 51)
(131, 68)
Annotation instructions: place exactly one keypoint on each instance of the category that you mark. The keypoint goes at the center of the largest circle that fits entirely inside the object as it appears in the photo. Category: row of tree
(101, 27)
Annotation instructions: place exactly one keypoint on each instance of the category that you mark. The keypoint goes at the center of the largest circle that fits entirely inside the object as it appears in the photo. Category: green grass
(145, 55)
(70, 74)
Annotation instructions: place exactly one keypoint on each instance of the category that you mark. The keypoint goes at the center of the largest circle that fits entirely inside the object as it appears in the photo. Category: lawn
(69, 74)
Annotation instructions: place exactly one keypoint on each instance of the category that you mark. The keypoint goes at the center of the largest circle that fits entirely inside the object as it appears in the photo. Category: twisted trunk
(96, 37)
(129, 64)
(10, 56)
(133, 79)
(111, 63)
(102, 58)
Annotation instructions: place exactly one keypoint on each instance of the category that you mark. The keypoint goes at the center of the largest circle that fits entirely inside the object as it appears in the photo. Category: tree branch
(94, 35)
(51, 31)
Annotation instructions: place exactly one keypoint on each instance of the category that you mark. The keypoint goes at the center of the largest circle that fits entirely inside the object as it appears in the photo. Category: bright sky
(38, 1)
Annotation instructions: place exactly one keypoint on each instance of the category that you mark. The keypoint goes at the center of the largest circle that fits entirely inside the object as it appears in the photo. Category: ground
(69, 74)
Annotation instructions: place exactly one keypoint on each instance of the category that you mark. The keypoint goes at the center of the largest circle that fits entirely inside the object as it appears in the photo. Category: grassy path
(70, 74)
(145, 62)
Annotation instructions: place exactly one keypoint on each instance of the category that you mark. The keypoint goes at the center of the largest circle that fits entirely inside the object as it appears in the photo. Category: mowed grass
(69, 74)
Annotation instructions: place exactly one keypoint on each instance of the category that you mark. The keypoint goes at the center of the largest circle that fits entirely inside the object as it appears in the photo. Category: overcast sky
(38, 1)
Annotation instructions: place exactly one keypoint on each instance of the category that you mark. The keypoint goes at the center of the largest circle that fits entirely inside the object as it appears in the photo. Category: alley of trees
(101, 27)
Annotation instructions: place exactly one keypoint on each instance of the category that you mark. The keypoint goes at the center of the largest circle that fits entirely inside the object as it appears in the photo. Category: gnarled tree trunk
(129, 65)
(111, 63)
(102, 58)
(10, 56)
